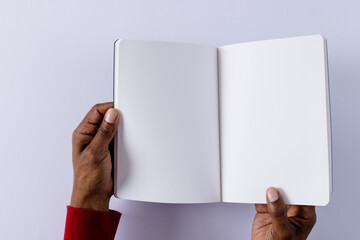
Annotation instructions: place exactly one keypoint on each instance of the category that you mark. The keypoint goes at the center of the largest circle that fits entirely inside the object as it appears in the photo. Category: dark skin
(93, 182)
(277, 221)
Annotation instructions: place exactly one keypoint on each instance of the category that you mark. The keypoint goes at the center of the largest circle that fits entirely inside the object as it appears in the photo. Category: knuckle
(94, 109)
(313, 219)
(104, 129)
(75, 135)
(96, 106)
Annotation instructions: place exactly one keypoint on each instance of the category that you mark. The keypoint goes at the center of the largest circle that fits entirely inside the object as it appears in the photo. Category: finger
(106, 132)
(88, 127)
(307, 212)
(304, 212)
(261, 208)
(277, 211)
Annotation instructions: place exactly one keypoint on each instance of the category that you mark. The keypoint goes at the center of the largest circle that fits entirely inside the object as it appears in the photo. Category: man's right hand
(93, 182)
(276, 221)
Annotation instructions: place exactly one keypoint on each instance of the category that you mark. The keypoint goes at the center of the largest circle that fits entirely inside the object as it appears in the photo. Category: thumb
(106, 131)
(278, 213)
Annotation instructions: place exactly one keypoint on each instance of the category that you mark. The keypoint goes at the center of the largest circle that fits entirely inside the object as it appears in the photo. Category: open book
(205, 124)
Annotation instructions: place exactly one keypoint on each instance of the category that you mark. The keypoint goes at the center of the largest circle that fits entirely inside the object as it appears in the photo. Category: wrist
(90, 202)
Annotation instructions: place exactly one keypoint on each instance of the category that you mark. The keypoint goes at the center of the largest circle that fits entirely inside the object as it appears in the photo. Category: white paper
(168, 138)
(275, 120)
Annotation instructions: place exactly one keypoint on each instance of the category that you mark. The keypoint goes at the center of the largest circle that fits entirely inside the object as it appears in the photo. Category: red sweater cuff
(87, 224)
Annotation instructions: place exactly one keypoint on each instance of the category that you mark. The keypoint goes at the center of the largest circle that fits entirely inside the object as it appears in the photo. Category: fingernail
(272, 194)
(110, 115)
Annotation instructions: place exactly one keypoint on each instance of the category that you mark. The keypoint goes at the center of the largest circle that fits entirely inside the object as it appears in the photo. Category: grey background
(56, 62)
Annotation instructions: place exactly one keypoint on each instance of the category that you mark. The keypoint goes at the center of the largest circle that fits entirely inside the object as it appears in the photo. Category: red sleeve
(86, 224)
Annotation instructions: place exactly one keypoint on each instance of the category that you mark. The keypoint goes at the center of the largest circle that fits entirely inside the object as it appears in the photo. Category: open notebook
(205, 124)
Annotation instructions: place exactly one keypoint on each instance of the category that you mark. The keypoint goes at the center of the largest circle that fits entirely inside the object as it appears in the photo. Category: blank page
(275, 128)
(168, 139)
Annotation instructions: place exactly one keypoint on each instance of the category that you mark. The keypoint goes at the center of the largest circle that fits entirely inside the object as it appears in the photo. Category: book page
(168, 139)
(274, 123)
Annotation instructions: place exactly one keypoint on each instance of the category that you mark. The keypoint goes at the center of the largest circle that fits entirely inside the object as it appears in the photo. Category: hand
(275, 221)
(93, 182)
